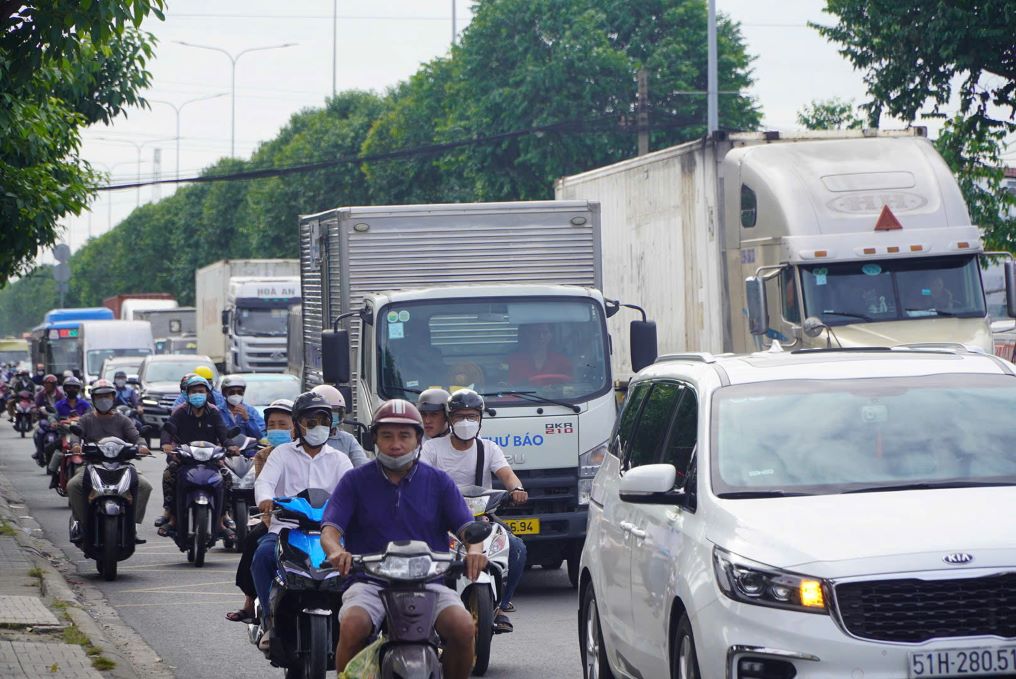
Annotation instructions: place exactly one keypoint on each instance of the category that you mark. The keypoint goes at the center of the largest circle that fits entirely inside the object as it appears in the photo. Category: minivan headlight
(753, 583)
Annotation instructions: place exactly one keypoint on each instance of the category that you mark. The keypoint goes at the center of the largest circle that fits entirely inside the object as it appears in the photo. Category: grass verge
(7, 529)
(73, 635)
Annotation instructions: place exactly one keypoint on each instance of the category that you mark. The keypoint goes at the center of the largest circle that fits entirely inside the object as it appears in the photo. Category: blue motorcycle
(199, 499)
(306, 594)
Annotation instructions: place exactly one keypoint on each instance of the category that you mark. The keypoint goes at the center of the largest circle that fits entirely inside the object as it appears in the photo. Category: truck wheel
(594, 654)
(110, 548)
(200, 543)
(480, 604)
(683, 659)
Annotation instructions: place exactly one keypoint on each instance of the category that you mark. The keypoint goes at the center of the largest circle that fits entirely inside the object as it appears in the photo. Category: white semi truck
(415, 296)
(849, 239)
(242, 307)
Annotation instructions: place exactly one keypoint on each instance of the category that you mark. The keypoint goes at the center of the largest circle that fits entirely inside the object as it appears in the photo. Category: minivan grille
(914, 610)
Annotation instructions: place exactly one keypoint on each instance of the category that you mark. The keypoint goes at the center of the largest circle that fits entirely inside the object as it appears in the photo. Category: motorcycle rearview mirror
(170, 429)
(233, 432)
(476, 532)
(149, 431)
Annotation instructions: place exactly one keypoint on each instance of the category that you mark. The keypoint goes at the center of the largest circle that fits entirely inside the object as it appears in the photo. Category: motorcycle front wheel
(316, 660)
(480, 604)
(200, 528)
(107, 562)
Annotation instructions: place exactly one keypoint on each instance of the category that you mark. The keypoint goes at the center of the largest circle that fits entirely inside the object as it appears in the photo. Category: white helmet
(330, 394)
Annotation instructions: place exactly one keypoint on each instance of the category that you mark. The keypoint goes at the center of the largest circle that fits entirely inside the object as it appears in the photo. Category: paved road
(179, 609)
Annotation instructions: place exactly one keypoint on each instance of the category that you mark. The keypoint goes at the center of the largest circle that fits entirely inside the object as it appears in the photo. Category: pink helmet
(397, 411)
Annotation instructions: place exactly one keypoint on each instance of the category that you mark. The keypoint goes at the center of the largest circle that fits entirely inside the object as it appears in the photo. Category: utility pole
(454, 32)
(712, 81)
(335, 44)
(642, 124)
(156, 173)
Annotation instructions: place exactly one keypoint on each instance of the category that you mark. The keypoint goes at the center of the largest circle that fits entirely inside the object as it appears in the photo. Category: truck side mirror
(642, 340)
(347, 393)
(1010, 288)
(225, 318)
(335, 356)
(758, 310)
(367, 440)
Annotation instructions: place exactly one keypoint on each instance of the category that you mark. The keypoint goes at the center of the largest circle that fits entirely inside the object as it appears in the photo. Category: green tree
(23, 304)
(829, 114)
(64, 64)
(913, 52)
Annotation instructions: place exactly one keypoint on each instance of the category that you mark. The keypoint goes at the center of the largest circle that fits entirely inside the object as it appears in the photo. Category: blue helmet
(196, 380)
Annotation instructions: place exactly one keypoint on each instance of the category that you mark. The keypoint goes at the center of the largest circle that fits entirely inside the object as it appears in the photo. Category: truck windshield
(894, 290)
(262, 321)
(834, 436)
(95, 357)
(550, 348)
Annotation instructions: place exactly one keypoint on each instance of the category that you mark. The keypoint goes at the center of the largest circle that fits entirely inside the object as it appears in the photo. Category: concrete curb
(86, 607)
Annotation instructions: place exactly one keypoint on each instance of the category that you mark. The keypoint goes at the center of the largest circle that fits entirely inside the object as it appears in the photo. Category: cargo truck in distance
(845, 238)
(398, 299)
(174, 330)
(242, 311)
(126, 306)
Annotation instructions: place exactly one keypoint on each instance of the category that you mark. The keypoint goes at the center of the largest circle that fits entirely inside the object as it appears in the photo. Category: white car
(844, 514)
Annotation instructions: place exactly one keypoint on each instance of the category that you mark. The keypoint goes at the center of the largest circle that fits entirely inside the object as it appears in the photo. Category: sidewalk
(44, 630)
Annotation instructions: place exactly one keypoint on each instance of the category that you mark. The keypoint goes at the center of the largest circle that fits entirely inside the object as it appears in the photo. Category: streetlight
(233, 59)
(138, 147)
(179, 108)
(109, 194)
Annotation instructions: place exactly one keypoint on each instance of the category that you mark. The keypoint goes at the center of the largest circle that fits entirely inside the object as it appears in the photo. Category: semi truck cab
(255, 322)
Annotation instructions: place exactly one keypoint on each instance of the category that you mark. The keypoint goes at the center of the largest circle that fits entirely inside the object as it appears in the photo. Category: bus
(55, 342)
(14, 351)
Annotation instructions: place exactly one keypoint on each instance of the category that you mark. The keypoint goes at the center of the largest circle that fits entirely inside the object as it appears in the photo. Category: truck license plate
(964, 662)
(524, 526)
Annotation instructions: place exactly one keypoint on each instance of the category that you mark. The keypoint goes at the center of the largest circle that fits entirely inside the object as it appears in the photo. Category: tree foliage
(829, 114)
(64, 64)
(913, 53)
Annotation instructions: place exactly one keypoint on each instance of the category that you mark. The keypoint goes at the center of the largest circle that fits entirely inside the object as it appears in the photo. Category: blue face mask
(276, 437)
(197, 400)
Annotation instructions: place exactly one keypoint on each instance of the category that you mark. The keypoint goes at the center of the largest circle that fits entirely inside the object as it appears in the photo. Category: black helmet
(465, 399)
(432, 400)
(309, 402)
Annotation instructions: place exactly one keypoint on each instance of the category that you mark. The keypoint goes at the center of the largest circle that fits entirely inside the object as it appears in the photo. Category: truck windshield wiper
(927, 485)
(948, 314)
(535, 398)
(395, 387)
(755, 494)
(848, 314)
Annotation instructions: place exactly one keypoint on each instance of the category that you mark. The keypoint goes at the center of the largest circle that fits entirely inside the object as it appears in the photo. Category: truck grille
(551, 491)
(915, 610)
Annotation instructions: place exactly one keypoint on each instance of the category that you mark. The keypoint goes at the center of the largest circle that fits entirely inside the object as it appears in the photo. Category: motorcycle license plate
(964, 662)
(524, 526)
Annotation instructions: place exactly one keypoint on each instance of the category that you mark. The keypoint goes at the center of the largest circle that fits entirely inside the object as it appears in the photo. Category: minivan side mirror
(758, 310)
(642, 340)
(651, 484)
(335, 356)
(1010, 287)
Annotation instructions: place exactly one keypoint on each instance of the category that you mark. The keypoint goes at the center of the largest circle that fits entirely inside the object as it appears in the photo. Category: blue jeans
(262, 569)
(516, 566)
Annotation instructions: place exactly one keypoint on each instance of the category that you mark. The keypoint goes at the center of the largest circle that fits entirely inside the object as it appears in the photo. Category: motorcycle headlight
(407, 567)
(754, 583)
(201, 453)
(110, 449)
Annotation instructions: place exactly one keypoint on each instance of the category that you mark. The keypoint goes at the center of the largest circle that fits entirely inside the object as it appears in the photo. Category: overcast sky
(379, 43)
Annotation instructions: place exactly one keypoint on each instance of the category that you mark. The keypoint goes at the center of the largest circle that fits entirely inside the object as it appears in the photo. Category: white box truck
(99, 340)
(242, 308)
(851, 238)
(500, 297)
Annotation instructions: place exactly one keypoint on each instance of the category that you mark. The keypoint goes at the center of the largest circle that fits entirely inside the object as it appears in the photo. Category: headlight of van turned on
(589, 464)
(151, 403)
(754, 583)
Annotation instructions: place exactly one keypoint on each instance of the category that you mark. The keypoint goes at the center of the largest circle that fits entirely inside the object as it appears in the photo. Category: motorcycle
(71, 461)
(240, 497)
(411, 646)
(108, 534)
(23, 411)
(482, 596)
(306, 597)
(47, 436)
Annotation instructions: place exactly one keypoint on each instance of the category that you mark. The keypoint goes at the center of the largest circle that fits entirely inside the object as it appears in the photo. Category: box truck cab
(255, 321)
(99, 340)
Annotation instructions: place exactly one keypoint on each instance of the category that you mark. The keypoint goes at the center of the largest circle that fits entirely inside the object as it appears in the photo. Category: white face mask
(466, 429)
(235, 399)
(120, 383)
(316, 436)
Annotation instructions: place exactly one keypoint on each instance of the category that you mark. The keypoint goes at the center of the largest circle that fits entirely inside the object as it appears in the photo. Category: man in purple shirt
(397, 498)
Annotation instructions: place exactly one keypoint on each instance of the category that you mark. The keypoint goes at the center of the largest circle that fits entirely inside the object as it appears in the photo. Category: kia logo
(958, 558)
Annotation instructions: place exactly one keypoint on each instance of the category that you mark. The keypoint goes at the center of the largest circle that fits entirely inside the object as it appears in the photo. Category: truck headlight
(753, 583)
(149, 403)
(589, 464)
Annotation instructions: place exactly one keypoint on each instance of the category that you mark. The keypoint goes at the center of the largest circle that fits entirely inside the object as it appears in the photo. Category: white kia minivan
(820, 513)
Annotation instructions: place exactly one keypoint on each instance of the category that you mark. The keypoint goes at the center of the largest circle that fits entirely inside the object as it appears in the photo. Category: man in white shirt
(308, 462)
(458, 456)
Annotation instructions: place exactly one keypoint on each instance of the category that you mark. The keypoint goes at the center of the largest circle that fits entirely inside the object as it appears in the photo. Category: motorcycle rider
(237, 413)
(292, 468)
(341, 440)
(71, 405)
(216, 397)
(102, 421)
(21, 382)
(40, 374)
(279, 424)
(198, 420)
(432, 403)
(45, 398)
(457, 455)
(125, 395)
(395, 498)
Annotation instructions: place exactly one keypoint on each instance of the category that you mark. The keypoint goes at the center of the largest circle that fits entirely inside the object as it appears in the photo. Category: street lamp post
(233, 59)
(178, 108)
(138, 147)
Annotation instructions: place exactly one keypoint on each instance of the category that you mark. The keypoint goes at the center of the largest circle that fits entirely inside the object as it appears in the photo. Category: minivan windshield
(514, 351)
(95, 357)
(171, 371)
(834, 436)
(893, 290)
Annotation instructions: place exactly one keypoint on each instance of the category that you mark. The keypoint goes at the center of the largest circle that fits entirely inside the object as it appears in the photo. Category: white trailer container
(860, 238)
(216, 317)
(99, 340)
(130, 308)
(454, 296)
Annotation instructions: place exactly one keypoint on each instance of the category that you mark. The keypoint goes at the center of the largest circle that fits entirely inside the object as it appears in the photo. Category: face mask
(336, 419)
(197, 400)
(120, 384)
(234, 399)
(72, 394)
(316, 436)
(276, 437)
(396, 463)
(466, 429)
(103, 405)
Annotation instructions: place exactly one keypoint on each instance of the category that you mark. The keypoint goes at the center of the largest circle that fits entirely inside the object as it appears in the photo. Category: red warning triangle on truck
(887, 220)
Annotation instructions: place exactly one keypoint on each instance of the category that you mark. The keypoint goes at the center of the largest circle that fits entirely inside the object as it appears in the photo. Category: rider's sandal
(241, 615)
(162, 520)
(502, 625)
(507, 608)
